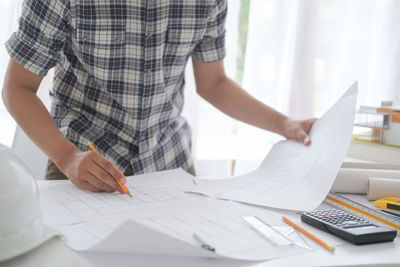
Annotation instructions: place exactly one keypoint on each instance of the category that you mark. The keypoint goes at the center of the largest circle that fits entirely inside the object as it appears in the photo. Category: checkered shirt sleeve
(43, 28)
(212, 46)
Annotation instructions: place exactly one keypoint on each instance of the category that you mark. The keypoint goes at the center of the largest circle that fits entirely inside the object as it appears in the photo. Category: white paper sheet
(160, 219)
(294, 176)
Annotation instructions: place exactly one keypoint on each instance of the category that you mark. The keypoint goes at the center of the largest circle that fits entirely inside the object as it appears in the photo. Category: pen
(396, 215)
(203, 243)
(126, 190)
(308, 234)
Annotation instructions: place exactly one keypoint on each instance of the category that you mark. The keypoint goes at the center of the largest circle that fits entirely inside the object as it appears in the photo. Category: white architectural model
(384, 122)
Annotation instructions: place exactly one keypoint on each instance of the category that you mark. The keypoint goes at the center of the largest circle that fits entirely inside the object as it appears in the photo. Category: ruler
(267, 231)
(351, 206)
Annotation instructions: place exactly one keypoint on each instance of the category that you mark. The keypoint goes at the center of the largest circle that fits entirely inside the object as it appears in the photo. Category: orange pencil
(126, 190)
(307, 233)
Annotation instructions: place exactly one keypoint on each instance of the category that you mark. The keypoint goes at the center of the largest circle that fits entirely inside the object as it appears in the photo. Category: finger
(303, 137)
(307, 141)
(90, 187)
(96, 182)
(110, 168)
(105, 177)
(86, 186)
(307, 124)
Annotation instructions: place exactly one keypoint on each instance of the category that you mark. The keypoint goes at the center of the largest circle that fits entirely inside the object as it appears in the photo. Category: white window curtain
(300, 56)
(10, 11)
(8, 15)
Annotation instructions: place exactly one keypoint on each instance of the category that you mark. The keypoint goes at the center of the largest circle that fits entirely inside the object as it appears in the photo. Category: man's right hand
(91, 171)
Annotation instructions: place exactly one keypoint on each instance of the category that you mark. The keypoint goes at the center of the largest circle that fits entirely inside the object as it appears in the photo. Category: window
(296, 56)
(9, 14)
(299, 57)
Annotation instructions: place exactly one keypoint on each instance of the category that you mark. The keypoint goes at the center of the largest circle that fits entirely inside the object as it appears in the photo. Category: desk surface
(55, 253)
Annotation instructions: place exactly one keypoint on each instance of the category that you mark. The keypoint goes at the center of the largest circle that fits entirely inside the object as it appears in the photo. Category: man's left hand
(298, 130)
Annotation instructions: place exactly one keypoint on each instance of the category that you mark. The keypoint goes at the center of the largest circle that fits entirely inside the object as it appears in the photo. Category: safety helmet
(21, 226)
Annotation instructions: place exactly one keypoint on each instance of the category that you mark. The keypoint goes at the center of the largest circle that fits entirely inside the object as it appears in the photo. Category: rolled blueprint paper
(355, 181)
(383, 187)
(369, 165)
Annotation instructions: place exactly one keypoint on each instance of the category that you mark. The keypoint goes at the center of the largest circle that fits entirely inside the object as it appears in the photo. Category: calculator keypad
(338, 218)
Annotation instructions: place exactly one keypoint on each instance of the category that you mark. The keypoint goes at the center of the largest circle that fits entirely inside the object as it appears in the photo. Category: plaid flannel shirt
(119, 71)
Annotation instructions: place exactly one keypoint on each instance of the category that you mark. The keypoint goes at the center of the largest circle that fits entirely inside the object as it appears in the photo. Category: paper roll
(355, 181)
(383, 187)
(369, 165)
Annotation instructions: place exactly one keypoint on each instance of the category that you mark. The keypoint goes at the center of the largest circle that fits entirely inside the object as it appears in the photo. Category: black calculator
(349, 227)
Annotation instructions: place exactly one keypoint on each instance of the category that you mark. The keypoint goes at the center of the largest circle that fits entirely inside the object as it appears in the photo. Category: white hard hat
(21, 226)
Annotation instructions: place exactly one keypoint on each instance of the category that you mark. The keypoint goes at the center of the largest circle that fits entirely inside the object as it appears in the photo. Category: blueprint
(294, 176)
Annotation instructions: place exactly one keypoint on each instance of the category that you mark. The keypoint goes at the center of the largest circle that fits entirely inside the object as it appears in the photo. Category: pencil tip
(129, 194)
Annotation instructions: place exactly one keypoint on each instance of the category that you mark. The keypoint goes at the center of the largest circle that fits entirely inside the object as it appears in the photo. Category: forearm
(86, 169)
(228, 97)
(32, 116)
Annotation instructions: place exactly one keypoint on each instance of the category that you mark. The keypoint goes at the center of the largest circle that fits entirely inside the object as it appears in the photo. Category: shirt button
(84, 38)
(148, 35)
(148, 71)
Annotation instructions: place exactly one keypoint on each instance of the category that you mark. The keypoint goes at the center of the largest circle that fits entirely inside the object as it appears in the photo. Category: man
(119, 79)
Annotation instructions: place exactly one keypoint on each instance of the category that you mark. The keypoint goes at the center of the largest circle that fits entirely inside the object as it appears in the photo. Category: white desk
(55, 253)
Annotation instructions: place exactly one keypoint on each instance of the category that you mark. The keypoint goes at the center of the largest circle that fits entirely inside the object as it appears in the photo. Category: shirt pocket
(102, 51)
(178, 47)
